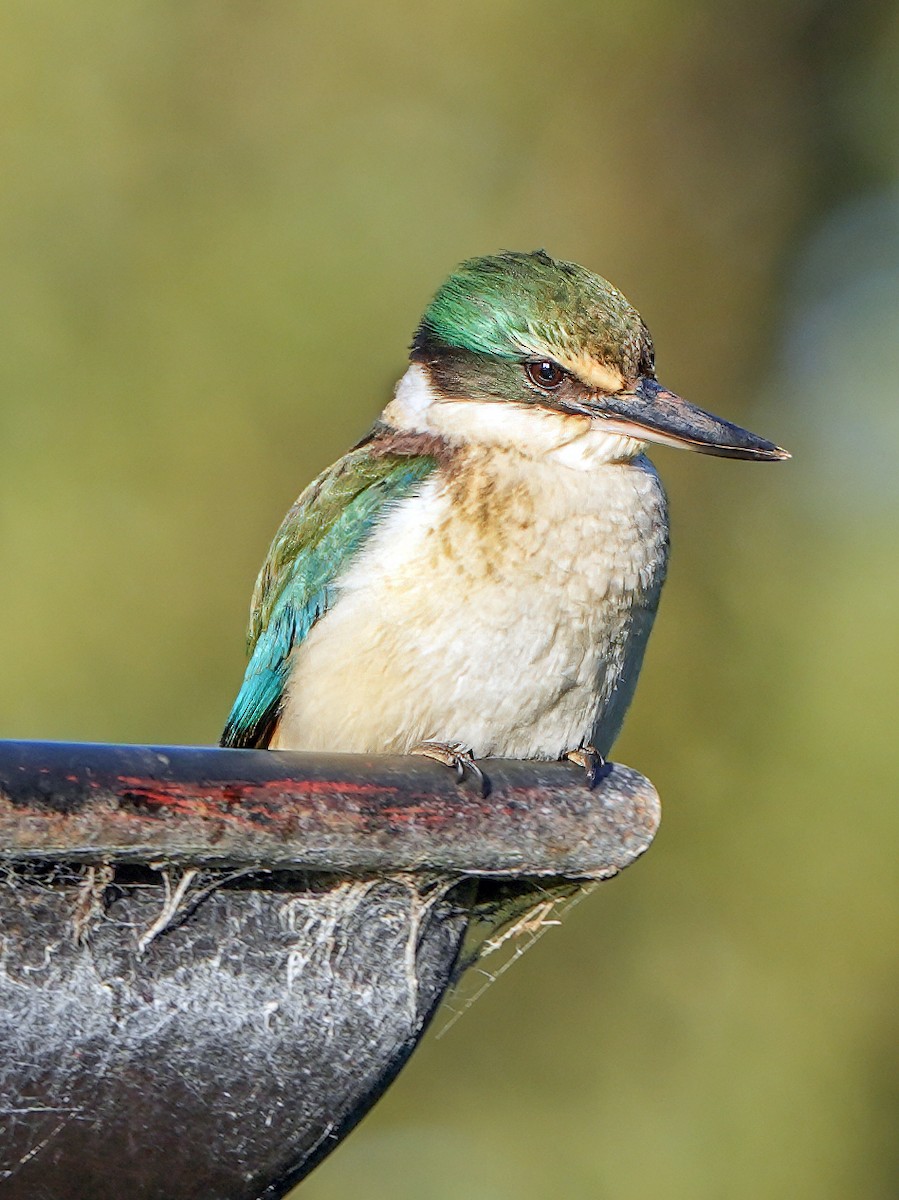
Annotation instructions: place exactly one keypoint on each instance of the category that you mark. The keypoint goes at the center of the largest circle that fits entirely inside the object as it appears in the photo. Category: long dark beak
(652, 412)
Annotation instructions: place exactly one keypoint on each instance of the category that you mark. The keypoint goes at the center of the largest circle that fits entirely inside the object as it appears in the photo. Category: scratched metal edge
(88, 802)
(273, 1184)
(289, 1179)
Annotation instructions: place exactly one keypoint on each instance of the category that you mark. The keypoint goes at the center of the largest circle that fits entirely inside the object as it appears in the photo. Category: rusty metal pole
(214, 961)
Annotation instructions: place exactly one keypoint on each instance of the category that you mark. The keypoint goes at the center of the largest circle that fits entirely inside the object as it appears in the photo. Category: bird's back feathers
(318, 539)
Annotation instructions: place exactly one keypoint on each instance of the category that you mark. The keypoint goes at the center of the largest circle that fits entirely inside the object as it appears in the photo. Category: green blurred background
(219, 223)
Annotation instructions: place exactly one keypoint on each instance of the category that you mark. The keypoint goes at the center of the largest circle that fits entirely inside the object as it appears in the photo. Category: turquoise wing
(324, 530)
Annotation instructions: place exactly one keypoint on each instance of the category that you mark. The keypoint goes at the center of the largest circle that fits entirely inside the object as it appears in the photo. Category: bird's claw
(459, 757)
(590, 759)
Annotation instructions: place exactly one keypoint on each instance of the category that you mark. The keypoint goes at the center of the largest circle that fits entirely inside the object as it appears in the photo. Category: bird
(479, 575)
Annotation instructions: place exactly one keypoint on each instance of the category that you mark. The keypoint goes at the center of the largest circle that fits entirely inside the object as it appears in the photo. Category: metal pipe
(351, 814)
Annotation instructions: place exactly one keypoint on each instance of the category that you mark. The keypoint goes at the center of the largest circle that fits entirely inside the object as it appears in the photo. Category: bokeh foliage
(219, 223)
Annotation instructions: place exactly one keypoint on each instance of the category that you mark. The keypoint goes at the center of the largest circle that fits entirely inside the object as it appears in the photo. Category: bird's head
(528, 351)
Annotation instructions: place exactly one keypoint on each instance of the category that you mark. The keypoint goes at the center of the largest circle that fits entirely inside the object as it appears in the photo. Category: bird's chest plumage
(505, 606)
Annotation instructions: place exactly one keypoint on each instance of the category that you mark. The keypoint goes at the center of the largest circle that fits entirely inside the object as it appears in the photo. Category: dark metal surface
(213, 962)
(349, 813)
(225, 1059)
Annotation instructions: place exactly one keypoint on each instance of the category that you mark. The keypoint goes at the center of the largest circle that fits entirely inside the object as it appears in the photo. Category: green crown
(515, 305)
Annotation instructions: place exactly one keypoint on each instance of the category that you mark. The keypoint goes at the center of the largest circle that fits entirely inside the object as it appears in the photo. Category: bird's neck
(574, 442)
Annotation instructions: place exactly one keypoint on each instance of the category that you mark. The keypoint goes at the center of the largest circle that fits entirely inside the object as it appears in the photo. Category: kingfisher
(479, 575)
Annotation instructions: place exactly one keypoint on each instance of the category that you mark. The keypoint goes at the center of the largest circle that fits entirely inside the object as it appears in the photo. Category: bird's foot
(457, 756)
(590, 759)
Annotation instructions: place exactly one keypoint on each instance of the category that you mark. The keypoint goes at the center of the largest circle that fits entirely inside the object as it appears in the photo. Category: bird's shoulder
(333, 516)
(319, 537)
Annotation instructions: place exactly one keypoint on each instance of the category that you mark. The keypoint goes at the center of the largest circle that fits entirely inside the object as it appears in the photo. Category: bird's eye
(545, 373)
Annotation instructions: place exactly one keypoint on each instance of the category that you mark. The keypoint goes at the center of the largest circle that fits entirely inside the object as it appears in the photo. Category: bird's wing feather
(318, 539)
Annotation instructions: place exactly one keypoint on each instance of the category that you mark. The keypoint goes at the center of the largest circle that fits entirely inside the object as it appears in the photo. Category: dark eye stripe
(545, 373)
